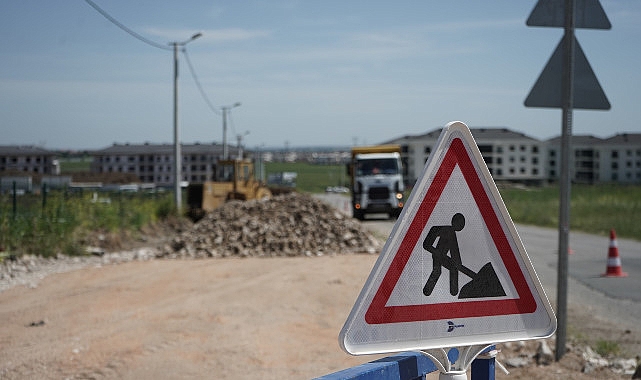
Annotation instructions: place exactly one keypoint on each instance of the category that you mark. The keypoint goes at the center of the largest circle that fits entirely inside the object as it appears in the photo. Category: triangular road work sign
(454, 271)
(548, 91)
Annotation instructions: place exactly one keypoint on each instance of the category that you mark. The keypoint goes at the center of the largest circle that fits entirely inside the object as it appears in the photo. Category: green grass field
(60, 221)
(312, 178)
(594, 209)
(76, 164)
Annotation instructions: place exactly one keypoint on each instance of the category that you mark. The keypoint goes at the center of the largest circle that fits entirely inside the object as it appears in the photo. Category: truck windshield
(377, 166)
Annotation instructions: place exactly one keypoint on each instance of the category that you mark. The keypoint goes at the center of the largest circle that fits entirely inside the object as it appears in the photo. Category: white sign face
(454, 271)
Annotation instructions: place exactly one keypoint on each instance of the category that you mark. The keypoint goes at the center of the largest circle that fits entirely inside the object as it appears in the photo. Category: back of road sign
(589, 14)
(454, 271)
(547, 91)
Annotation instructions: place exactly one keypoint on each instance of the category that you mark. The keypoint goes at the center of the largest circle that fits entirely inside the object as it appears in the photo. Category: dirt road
(229, 318)
(269, 318)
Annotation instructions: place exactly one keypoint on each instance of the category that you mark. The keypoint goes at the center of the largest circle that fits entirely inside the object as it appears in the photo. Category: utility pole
(240, 144)
(177, 150)
(225, 110)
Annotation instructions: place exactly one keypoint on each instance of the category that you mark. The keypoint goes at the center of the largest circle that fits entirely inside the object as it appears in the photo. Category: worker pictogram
(485, 283)
(453, 271)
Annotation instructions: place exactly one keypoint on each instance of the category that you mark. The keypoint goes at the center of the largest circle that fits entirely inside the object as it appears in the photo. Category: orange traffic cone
(614, 261)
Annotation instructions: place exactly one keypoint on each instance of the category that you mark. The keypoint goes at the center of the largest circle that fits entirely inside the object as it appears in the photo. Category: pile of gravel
(286, 225)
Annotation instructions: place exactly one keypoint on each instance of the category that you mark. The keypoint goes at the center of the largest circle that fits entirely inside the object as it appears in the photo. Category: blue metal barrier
(406, 366)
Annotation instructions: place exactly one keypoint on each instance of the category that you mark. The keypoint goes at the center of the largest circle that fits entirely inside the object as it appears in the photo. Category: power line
(200, 88)
(159, 46)
(126, 29)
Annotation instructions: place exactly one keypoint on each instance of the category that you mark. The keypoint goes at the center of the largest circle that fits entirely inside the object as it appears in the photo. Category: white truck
(377, 180)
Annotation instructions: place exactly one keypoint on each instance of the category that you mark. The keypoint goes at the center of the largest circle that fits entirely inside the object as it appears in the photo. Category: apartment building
(585, 159)
(594, 160)
(621, 158)
(510, 156)
(515, 157)
(154, 163)
(17, 159)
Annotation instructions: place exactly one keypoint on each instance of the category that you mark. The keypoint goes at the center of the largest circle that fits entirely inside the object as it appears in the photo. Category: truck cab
(377, 181)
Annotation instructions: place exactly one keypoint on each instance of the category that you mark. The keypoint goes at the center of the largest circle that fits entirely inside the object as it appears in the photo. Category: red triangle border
(379, 313)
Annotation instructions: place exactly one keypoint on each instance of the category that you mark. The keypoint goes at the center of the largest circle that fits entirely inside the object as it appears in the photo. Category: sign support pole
(456, 370)
(565, 183)
(555, 88)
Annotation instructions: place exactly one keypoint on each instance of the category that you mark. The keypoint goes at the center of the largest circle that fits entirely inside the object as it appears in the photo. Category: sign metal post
(568, 63)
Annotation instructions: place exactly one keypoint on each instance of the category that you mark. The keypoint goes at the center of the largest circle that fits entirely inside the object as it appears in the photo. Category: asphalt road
(615, 298)
(587, 260)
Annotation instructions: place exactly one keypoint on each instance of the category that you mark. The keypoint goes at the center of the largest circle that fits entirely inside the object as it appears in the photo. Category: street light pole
(177, 150)
(240, 144)
(225, 110)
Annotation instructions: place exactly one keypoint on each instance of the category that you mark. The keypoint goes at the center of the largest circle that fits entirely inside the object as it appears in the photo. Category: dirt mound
(286, 225)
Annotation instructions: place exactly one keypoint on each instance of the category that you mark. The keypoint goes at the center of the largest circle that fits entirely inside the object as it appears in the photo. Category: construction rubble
(286, 225)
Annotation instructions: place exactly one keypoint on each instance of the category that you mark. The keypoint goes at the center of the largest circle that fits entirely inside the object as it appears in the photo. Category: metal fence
(408, 366)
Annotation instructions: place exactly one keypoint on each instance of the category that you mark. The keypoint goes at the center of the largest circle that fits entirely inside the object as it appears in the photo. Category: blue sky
(307, 72)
